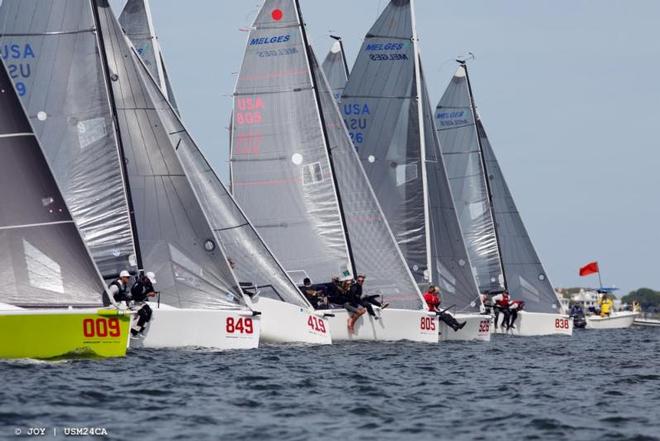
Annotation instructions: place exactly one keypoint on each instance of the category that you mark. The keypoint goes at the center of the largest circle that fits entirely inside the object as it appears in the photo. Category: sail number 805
(427, 324)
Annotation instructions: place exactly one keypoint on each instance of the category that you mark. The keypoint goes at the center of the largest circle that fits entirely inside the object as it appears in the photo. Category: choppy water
(598, 385)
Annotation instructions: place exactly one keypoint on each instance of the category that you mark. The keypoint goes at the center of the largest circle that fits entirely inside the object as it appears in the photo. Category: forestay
(52, 54)
(43, 260)
(525, 277)
(381, 112)
(374, 249)
(462, 155)
(176, 240)
(137, 22)
(281, 173)
(335, 68)
(252, 262)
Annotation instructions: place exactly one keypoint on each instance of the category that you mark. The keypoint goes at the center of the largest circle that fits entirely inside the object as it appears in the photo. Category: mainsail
(462, 155)
(281, 173)
(252, 262)
(175, 236)
(387, 110)
(295, 171)
(335, 67)
(52, 54)
(479, 181)
(43, 260)
(138, 25)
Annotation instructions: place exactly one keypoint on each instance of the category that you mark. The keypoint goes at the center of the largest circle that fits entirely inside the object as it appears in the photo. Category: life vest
(119, 297)
(518, 305)
(432, 301)
(141, 289)
(504, 301)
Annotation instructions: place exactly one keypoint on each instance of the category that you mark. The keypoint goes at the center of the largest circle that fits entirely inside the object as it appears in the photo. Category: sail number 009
(101, 327)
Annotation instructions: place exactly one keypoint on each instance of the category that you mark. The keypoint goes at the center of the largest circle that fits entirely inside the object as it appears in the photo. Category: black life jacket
(119, 297)
(141, 289)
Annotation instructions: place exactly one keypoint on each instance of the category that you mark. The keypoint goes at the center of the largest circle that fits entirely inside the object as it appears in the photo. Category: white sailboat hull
(618, 320)
(207, 328)
(530, 324)
(477, 328)
(286, 323)
(393, 325)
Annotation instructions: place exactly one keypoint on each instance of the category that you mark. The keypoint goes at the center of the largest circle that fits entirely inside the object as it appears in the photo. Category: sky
(567, 89)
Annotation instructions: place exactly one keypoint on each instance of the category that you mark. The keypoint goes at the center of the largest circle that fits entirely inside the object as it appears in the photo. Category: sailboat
(50, 300)
(500, 248)
(335, 67)
(296, 175)
(138, 26)
(287, 316)
(387, 110)
(102, 136)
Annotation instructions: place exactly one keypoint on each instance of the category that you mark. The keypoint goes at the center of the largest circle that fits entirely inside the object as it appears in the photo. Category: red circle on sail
(277, 14)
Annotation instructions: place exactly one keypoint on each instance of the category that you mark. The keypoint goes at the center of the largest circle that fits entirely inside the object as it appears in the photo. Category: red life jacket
(504, 302)
(432, 301)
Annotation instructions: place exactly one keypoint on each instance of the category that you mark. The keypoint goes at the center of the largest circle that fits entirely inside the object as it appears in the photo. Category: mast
(483, 167)
(315, 86)
(422, 144)
(156, 45)
(115, 123)
(343, 53)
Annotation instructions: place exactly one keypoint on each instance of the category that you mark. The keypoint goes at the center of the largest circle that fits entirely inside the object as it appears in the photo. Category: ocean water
(597, 385)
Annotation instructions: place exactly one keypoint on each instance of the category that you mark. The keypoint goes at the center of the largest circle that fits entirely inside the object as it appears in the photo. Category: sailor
(515, 307)
(606, 305)
(432, 299)
(354, 302)
(315, 296)
(501, 303)
(368, 301)
(142, 289)
(118, 290)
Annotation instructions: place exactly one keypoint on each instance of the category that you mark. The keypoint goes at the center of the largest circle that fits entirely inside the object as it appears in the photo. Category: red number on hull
(241, 326)
(561, 324)
(427, 324)
(101, 327)
(316, 324)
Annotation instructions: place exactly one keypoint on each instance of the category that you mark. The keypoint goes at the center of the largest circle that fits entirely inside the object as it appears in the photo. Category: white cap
(124, 274)
(151, 276)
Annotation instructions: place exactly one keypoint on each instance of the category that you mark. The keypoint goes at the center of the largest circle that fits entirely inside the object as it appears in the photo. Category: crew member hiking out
(515, 307)
(368, 301)
(354, 303)
(315, 296)
(142, 289)
(432, 298)
(118, 290)
(501, 303)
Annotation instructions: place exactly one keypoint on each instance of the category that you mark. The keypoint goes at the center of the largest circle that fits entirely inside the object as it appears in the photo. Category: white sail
(335, 67)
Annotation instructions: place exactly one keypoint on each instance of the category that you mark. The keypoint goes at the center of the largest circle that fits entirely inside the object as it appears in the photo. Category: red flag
(589, 268)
